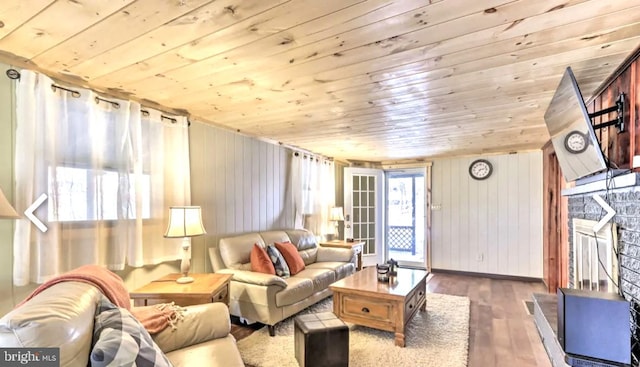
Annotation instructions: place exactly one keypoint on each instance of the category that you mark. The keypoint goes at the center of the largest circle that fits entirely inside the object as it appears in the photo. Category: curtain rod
(15, 75)
(172, 119)
(313, 156)
(114, 104)
(74, 93)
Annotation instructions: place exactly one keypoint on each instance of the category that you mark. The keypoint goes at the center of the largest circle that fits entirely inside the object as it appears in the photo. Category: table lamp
(336, 215)
(185, 222)
(6, 210)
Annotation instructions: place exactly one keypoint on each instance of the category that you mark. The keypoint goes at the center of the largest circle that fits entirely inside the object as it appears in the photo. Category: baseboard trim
(487, 275)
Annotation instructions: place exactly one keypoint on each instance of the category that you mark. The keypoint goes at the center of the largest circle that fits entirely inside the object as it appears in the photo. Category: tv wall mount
(618, 122)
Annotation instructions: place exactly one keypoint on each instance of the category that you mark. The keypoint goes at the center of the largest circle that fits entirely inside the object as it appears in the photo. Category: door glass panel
(364, 214)
(364, 211)
(406, 217)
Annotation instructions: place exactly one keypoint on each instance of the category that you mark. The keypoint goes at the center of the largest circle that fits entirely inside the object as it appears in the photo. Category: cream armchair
(63, 316)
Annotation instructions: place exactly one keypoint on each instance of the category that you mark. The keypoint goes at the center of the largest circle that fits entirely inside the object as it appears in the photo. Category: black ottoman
(321, 340)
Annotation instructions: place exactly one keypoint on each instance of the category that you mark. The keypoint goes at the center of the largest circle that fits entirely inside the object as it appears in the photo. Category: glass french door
(364, 214)
(406, 224)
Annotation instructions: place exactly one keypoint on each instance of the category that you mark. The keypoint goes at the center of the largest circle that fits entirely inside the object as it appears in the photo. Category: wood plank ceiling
(354, 79)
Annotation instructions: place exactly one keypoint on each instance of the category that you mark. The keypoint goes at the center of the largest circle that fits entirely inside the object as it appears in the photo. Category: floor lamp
(185, 222)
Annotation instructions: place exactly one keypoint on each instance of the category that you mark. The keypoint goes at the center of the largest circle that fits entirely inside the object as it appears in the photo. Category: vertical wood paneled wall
(240, 183)
(6, 184)
(492, 226)
(555, 218)
(620, 148)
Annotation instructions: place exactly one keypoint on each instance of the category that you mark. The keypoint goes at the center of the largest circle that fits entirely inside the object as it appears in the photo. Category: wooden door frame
(425, 171)
(555, 246)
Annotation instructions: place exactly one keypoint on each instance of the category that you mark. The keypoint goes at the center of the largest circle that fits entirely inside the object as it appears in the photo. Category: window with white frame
(83, 194)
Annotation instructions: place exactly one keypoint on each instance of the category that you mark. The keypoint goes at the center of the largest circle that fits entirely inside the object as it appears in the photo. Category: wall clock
(480, 169)
(576, 142)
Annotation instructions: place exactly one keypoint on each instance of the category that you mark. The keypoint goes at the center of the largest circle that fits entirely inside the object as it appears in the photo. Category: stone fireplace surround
(623, 195)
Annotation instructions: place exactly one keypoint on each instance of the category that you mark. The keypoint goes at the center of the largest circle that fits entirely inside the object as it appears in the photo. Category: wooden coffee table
(361, 299)
(206, 288)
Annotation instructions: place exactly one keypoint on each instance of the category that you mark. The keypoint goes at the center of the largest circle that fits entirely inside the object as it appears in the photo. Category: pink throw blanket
(153, 318)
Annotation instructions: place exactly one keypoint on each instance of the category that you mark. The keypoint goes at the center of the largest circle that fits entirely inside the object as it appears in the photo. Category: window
(106, 165)
(82, 194)
(87, 174)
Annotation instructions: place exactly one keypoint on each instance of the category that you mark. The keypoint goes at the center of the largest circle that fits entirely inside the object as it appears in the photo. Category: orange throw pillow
(260, 261)
(291, 256)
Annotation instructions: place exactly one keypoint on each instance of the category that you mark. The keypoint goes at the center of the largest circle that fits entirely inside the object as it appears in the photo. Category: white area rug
(436, 338)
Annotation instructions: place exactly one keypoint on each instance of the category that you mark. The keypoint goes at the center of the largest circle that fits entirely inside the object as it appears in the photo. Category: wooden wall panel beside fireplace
(554, 246)
(620, 148)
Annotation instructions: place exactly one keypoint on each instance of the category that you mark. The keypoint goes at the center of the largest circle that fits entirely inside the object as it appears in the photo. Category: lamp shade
(6, 210)
(185, 221)
(336, 214)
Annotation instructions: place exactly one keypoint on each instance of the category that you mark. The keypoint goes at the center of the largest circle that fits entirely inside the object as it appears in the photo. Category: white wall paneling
(240, 182)
(492, 226)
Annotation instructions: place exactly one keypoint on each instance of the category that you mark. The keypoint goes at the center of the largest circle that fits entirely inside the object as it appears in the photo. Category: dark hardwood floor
(501, 332)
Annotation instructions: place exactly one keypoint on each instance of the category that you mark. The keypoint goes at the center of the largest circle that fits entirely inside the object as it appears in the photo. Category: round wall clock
(480, 169)
(576, 142)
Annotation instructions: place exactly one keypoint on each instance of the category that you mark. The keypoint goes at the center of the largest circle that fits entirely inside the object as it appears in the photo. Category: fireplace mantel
(599, 183)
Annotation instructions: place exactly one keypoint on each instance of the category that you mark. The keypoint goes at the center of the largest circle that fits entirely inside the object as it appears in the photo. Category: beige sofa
(269, 298)
(63, 316)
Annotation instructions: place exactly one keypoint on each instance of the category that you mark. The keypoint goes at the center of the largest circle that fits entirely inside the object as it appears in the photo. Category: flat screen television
(572, 135)
(594, 327)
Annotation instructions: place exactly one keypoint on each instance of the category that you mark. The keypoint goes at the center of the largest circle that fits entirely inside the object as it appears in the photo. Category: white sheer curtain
(110, 171)
(313, 192)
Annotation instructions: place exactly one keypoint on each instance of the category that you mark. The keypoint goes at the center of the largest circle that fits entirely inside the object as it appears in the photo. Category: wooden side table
(205, 288)
(357, 247)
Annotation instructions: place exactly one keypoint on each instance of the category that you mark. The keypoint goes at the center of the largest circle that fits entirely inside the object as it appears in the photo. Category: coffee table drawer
(371, 309)
(221, 296)
(415, 300)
